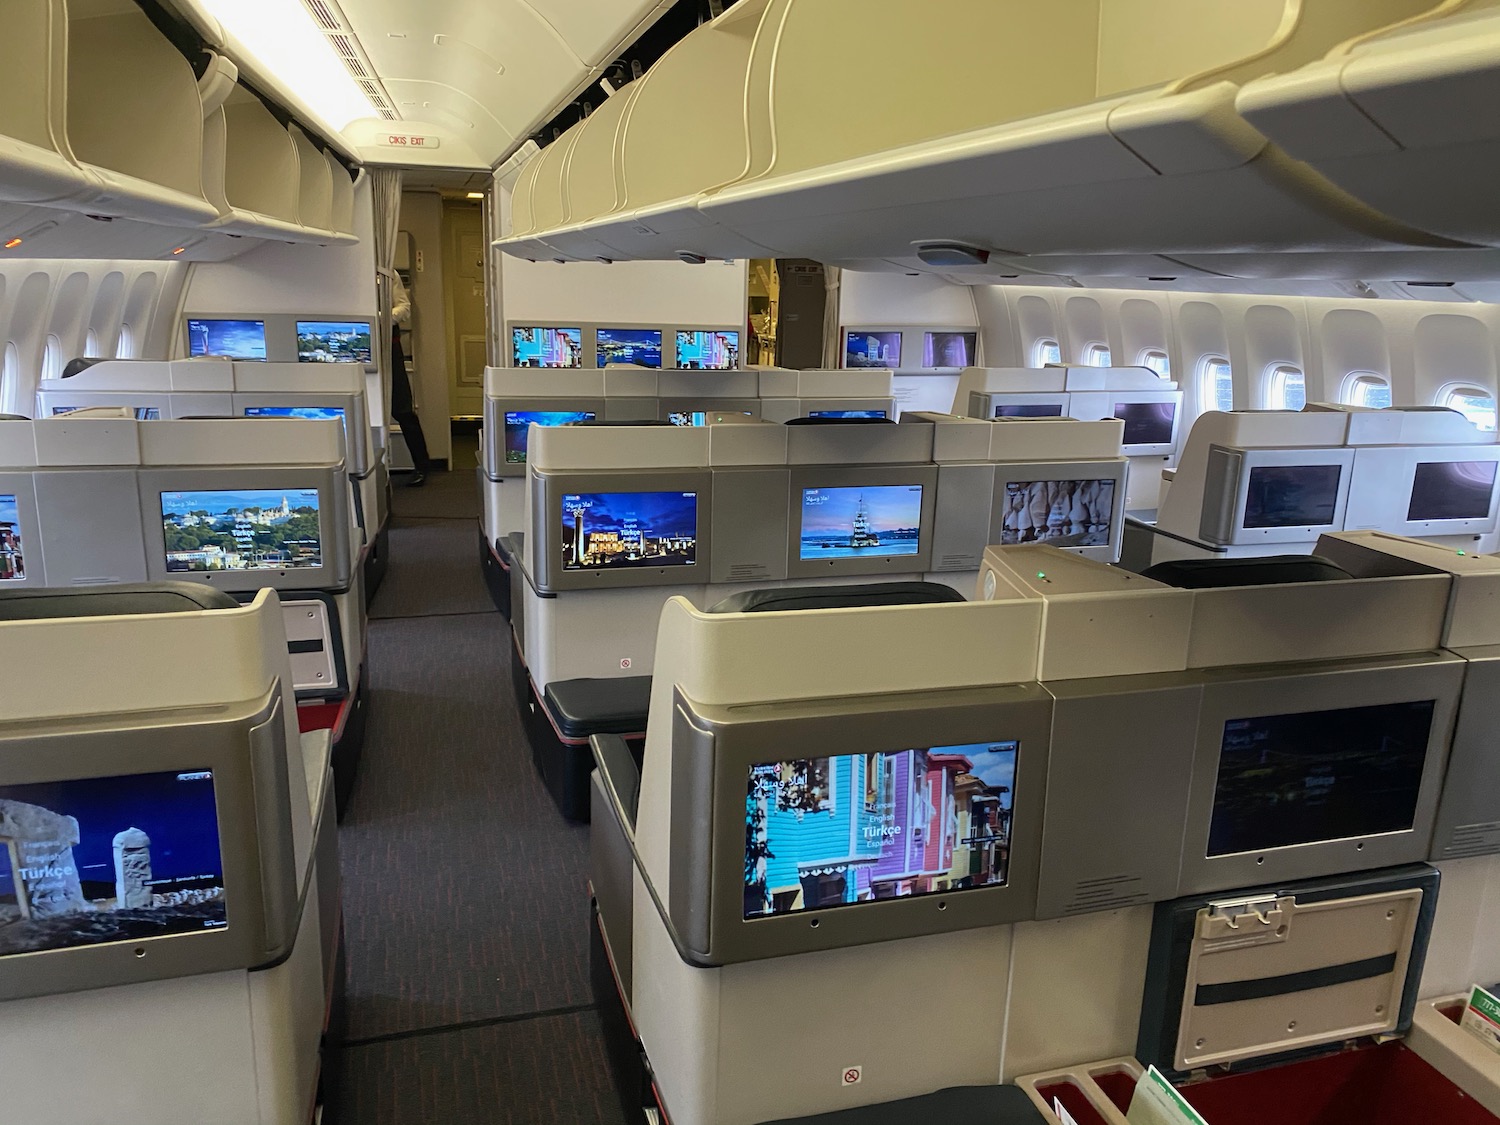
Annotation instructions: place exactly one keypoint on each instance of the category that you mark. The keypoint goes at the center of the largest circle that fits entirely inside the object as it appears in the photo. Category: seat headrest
(112, 601)
(642, 422)
(1276, 570)
(78, 366)
(840, 421)
(14, 418)
(852, 596)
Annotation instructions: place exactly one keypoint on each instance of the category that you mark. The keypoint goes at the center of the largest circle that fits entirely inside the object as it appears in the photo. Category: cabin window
(1157, 361)
(1286, 388)
(125, 349)
(1097, 355)
(1216, 384)
(1044, 352)
(91, 345)
(1478, 406)
(1365, 388)
(52, 359)
(10, 370)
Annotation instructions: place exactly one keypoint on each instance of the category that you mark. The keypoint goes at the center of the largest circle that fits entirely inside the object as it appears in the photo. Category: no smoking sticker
(853, 1075)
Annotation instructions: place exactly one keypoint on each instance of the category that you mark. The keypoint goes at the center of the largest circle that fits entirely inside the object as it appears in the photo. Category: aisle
(465, 898)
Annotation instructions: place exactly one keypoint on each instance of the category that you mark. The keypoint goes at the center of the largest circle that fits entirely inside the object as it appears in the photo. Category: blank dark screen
(1292, 495)
(1031, 410)
(1147, 423)
(1318, 775)
(1452, 490)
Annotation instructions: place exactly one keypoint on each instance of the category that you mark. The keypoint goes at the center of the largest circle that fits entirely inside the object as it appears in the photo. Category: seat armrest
(620, 774)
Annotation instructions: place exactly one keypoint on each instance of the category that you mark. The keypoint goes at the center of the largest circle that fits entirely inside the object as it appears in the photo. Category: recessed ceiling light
(475, 195)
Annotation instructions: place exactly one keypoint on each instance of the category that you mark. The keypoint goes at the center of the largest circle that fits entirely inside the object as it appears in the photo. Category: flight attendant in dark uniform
(403, 408)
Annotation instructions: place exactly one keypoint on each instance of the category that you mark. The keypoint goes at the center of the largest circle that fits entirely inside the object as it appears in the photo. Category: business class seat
(792, 598)
(112, 601)
(1208, 574)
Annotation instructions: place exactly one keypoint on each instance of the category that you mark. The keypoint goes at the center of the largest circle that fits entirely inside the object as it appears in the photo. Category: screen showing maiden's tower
(621, 530)
(868, 522)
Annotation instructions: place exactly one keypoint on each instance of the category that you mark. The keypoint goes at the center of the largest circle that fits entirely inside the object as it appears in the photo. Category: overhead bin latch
(217, 83)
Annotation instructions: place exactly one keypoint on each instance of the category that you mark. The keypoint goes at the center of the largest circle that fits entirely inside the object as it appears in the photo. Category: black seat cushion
(840, 421)
(14, 418)
(112, 601)
(78, 366)
(853, 596)
(604, 422)
(617, 705)
(958, 1105)
(1277, 570)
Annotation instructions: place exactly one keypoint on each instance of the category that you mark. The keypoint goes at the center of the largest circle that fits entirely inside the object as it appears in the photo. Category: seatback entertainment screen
(333, 341)
(948, 349)
(109, 859)
(546, 347)
(1292, 495)
(231, 339)
(518, 428)
(12, 557)
(847, 414)
(1059, 513)
(629, 530)
(708, 351)
(639, 346)
(1318, 775)
(142, 413)
(242, 529)
(872, 349)
(1029, 410)
(307, 413)
(701, 417)
(1147, 423)
(856, 522)
(853, 828)
(1452, 490)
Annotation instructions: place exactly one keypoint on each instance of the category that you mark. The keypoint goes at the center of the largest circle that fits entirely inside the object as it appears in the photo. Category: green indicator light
(1463, 552)
(1041, 574)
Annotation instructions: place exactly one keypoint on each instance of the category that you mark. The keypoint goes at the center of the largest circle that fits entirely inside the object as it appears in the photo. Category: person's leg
(416, 444)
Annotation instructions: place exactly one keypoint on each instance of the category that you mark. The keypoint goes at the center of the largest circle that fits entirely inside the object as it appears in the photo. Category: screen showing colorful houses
(242, 529)
(1059, 513)
(625, 530)
(708, 351)
(825, 832)
(307, 413)
(333, 341)
(108, 859)
(546, 347)
(12, 558)
(638, 346)
(861, 522)
(518, 428)
(228, 339)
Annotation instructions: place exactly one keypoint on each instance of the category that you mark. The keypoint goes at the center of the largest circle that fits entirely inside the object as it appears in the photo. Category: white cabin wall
(52, 311)
(889, 298)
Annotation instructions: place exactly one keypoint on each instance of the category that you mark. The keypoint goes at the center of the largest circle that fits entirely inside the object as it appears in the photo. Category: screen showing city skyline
(708, 351)
(12, 557)
(242, 529)
(1452, 490)
(854, 828)
(333, 341)
(1292, 495)
(228, 339)
(856, 522)
(626, 530)
(109, 859)
(1319, 775)
(639, 346)
(1147, 423)
(1059, 513)
(518, 428)
(546, 347)
(306, 413)
(949, 349)
(872, 349)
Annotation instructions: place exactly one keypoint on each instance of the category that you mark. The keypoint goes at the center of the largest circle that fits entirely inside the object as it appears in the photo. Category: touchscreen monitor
(639, 346)
(847, 414)
(854, 522)
(708, 351)
(1452, 490)
(333, 341)
(701, 417)
(1029, 410)
(1318, 775)
(546, 347)
(142, 413)
(872, 349)
(1292, 495)
(518, 428)
(1147, 423)
(309, 413)
(948, 349)
(242, 529)
(109, 859)
(852, 828)
(1059, 513)
(230, 339)
(12, 557)
(625, 530)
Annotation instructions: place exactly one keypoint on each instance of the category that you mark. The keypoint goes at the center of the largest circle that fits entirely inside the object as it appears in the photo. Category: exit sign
(408, 140)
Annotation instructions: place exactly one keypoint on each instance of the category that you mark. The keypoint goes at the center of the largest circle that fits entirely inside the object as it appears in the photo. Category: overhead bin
(1404, 121)
(1134, 147)
(341, 213)
(259, 188)
(34, 162)
(315, 191)
(548, 210)
(595, 184)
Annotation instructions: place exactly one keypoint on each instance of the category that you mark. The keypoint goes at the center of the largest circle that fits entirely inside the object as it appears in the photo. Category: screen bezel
(504, 431)
(333, 523)
(1250, 459)
(356, 420)
(187, 336)
(495, 410)
(23, 487)
(661, 345)
(512, 329)
(1115, 469)
(983, 404)
(899, 333)
(1384, 480)
(297, 324)
(874, 476)
(738, 334)
(1148, 398)
(928, 333)
(547, 491)
(714, 751)
(1238, 694)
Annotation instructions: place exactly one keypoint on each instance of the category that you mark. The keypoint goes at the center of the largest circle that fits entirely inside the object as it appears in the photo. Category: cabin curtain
(832, 352)
(385, 194)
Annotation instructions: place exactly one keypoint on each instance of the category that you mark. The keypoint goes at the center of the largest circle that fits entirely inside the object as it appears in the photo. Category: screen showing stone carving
(1292, 495)
(228, 339)
(1452, 490)
(629, 530)
(108, 859)
(307, 413)
(638, 346)
(837, 831)
(708, 351)
(1059, 513)
(333, 341)
(861, 522)
(12, 557)
(242, 529)
(872, 349)
(949, 349)
(518, 428)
